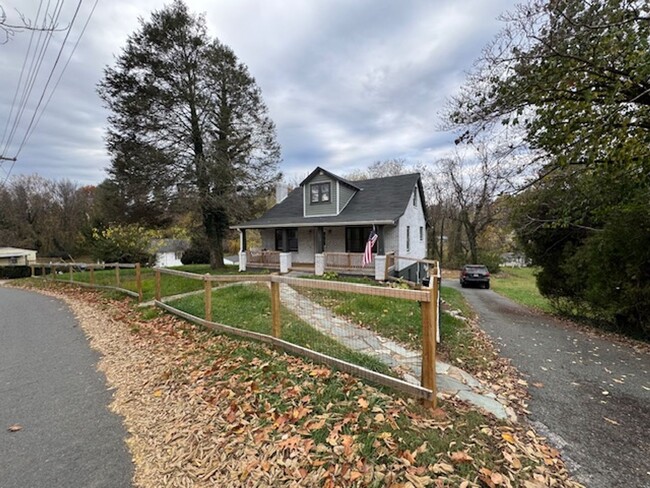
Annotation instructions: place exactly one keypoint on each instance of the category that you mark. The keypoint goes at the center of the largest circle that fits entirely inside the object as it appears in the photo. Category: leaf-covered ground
(208, 410)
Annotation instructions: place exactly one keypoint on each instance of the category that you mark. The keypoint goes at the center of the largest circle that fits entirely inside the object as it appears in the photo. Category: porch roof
(380, 201)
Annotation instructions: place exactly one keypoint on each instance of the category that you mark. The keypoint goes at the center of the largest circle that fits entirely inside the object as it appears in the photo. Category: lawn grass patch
(519, 284)
(249, 307)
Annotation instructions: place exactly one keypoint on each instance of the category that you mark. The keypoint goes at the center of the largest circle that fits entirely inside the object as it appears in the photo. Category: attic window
(320, 192)
(415, 198)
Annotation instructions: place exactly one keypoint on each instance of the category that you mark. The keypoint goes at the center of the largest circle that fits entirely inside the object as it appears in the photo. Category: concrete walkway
(450, 379)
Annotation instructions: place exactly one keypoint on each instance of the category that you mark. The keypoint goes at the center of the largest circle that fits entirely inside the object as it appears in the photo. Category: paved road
(49, 386)
(593, 399)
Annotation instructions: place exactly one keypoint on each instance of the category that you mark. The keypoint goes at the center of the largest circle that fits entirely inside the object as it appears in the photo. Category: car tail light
(487, 274)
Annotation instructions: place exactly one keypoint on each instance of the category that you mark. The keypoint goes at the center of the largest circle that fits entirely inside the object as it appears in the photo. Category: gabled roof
(331, 175)
(380, 201)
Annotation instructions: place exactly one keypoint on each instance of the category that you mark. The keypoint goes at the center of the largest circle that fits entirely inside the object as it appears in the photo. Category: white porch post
(380, 267)
(242, 250)
(319, 264)
(285, 262)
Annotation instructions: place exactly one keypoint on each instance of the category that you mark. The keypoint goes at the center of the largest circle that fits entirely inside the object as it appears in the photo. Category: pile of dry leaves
(208, 410)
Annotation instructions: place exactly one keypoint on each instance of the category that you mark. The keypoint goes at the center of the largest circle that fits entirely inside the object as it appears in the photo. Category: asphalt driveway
(590, 397)
(50, 388)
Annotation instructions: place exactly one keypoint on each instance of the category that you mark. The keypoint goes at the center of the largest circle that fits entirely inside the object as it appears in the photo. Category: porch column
(242, 249)
(320, 240)
(319, 264)
(380, 241)
(285, 262)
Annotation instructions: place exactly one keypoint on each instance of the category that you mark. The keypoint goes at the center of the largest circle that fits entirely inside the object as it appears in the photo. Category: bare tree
(8, 28)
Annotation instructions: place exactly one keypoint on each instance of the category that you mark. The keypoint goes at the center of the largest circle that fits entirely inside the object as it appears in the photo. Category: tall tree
(575, 75)
(187, 103)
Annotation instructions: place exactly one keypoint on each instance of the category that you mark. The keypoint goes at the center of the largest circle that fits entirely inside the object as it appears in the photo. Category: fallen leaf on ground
(15, 428)
(614, 422)
(461, 457)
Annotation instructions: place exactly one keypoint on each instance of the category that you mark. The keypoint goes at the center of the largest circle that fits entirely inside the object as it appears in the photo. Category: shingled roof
(380, 201)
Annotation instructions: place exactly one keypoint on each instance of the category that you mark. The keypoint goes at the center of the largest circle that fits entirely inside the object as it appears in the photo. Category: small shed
(14, 256)
(169, 252)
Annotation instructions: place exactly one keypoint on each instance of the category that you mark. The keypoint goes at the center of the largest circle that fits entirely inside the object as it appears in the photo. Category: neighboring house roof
(169, 245)
(380, 201)
(10, 252)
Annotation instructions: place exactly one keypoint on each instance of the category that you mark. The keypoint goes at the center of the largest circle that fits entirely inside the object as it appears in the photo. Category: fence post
(70, 271)
(43, 272)
(275, 309)
(158, 296)
(33, 271)
(117, 274)
(92, 275)
(138, 281)
(429, 309)
(207, 285)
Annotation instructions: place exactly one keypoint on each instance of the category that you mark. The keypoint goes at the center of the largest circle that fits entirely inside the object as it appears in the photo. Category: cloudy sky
(347, 82)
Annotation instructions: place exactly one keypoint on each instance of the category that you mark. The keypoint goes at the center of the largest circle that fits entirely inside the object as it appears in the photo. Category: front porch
(340, 262)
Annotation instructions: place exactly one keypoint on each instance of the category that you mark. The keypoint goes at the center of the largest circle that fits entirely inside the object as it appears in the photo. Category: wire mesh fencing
(377, 332)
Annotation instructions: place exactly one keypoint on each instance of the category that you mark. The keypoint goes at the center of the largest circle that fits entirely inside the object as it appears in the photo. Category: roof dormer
(325, 194)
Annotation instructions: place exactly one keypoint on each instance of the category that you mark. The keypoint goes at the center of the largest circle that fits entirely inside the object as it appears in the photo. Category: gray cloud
(347, 83)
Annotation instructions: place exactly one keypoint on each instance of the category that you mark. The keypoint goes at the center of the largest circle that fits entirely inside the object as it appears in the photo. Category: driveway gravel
(590, 395)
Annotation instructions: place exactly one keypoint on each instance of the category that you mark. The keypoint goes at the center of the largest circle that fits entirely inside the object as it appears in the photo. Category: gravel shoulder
(589, 395)
(55, 399)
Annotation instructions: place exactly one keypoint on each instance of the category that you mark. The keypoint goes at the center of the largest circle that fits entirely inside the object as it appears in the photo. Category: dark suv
(475, 274)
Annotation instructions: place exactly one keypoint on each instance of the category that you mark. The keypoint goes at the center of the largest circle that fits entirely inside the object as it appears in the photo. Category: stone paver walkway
(450, 379)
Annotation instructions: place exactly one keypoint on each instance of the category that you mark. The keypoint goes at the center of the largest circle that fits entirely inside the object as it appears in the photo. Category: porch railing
(347, 260)
(263, 258)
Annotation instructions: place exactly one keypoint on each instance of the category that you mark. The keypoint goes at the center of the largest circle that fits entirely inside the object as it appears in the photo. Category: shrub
(13, 272)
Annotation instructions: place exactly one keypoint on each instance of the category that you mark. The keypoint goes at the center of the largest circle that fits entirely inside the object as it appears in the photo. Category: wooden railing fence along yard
(427, 298)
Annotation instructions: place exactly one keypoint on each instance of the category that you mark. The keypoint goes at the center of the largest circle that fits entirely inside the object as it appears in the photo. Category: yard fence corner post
(138, 281)
(158, 278)
(429, 311)
(207, 286)
(275, 309)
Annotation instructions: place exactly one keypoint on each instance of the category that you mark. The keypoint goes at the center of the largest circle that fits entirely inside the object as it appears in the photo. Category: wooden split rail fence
(427, 297)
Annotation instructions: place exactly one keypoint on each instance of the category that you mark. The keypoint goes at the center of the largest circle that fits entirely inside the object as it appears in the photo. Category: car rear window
(476, 269)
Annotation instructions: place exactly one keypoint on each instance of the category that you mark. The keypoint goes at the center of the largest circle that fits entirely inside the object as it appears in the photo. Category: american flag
(367, 254)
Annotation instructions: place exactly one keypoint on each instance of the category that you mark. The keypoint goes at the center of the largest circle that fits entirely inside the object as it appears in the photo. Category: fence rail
(427, 299)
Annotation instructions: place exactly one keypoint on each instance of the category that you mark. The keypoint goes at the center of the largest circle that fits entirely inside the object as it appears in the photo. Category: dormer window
(320, 192)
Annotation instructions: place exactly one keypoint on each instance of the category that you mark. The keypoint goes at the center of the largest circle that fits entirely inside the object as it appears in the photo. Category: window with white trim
(320, 192)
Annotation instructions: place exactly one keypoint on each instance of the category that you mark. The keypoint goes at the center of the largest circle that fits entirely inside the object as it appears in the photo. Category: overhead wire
(83, 30)
(49, 78)
(34, 69)
(36, 116)
(22, 72)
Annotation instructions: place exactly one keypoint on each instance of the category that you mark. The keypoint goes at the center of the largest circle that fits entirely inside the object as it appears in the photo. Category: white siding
(166, 259)
(334, 239)
(414, 218)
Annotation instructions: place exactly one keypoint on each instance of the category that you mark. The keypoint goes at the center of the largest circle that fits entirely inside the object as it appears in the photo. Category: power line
(49, 78)
(34, 68)
(83, 30)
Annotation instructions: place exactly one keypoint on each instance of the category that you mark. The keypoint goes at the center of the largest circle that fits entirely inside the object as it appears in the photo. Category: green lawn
(170, 285)
(249, 307)
(519, 285)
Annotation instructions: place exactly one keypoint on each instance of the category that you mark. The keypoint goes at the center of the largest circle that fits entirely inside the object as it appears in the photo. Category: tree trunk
(214, 233)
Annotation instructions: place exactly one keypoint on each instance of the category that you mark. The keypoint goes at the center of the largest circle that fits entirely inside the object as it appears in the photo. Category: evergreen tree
(187, 117)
